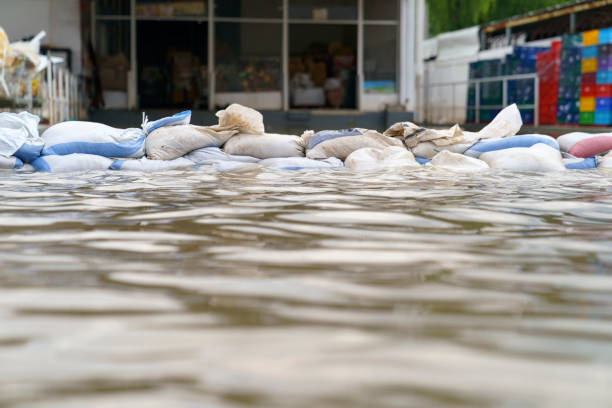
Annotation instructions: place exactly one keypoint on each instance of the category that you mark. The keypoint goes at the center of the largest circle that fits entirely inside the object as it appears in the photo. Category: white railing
(62, 101)
(431, 107)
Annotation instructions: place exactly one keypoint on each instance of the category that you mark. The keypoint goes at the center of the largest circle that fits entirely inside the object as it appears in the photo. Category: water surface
(306, 289)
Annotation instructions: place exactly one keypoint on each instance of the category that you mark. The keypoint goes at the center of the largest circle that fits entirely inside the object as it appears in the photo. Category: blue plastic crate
(604, 77)
(605, 36)
(603, 118)
(527, 115)
(589, 52)
(603, 104)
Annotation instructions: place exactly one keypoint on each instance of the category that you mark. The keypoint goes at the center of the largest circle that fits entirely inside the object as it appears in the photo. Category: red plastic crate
(603, 91)
(587, 90)
(588, 78)
(555, 47)
(548, 108)
(548, 118)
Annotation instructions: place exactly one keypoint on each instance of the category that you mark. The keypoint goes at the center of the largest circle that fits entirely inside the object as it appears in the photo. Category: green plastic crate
(586, 118)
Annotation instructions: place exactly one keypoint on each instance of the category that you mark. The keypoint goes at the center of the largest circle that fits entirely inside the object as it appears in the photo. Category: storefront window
(248, 57)
(172, 64)
(112, 7)
(249, 8)
(322, 65)
(170, 8)
(113, 54)
(381, 10)
(323, 9)
(380, 59)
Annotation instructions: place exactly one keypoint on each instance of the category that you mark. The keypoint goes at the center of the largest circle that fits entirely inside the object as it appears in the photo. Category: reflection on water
(309, 289)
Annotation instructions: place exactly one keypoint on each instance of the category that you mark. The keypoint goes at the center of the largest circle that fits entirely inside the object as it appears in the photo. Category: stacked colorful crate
(603, 86)
(491, 93)
(548, 65)
(588, 70)
(523, 60)
(568, 101)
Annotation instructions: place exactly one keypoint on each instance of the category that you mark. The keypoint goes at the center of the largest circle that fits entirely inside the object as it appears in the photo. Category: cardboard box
(113, 71)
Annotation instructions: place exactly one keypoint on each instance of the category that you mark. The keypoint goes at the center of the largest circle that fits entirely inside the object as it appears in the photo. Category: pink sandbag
(591, 146)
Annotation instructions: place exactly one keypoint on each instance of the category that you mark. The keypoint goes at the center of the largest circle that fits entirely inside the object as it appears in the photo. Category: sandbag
(12, 163)
(234, 166)
(568, 140)
(369, 158)
(580, 164)
(455, 161)
(299, 163)
(490, 145)
(429, 149)
(539, 157)
(146, 165)
(71, 162)
(592, 146)
(19, 136)
(266, 146)
(181, 118)
(93, 138)
(172, 142)
(341, 143)
(241, 118)
(207, 155)
(507, 123)
(605, 162)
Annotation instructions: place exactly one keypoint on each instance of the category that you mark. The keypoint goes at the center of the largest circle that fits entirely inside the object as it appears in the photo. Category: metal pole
(505, 92)
(572, 23)
(211, 55)
(360, 54)
(285, 55)
(477, 117)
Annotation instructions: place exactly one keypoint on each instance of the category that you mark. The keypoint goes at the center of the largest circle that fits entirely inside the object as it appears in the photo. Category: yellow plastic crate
(590, 37)
(587, 104)
(589, 65)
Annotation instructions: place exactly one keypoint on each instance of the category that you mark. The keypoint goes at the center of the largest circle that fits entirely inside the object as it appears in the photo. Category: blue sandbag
(490, 145)
(580, 164)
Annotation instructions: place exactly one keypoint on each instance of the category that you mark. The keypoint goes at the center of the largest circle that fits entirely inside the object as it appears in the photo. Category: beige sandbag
(369, 158)
(171, 142)
(245, 120)
(266, 146)
(455, 161)
(342, 147)
(428, 149)
(539, 157)
(507, 123)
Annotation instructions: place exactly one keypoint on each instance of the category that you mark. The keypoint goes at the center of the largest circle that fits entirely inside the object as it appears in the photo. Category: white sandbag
(93, 138)
(341, 143)
(146, 165)
(568, 140)
(71, 162)
(181, 118)
(458, 162)
(19, 136)
(27, 167)
(428, 150)
(266, 146)
(489, 145)
(208, 155)
(539, 157)
(300, 163)
(10, 163)
(171, 142)
(369, 158)
(241, 118)
(507, 123)
(584, 145)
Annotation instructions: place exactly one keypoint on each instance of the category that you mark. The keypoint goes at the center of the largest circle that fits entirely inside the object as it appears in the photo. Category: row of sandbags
(172, 142)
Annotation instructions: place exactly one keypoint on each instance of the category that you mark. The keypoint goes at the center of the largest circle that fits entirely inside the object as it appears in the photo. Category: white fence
(441, 104)
(63, 99)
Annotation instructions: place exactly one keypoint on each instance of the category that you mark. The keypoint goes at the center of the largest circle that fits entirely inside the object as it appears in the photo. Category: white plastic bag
(458, 162)
(539, 157)
(266, 146)
(207, 155)
(93, 138)
(146, 165)
(341, 143)
(19, 135)
(171, 142)
(71, 162)
(241, 118)
(369, 158)
(300, 163)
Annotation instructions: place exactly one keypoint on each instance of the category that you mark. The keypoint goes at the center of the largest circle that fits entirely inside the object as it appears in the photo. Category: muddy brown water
(306, 289)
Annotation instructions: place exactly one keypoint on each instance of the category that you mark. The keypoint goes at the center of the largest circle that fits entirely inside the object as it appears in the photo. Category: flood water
(309, 289)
